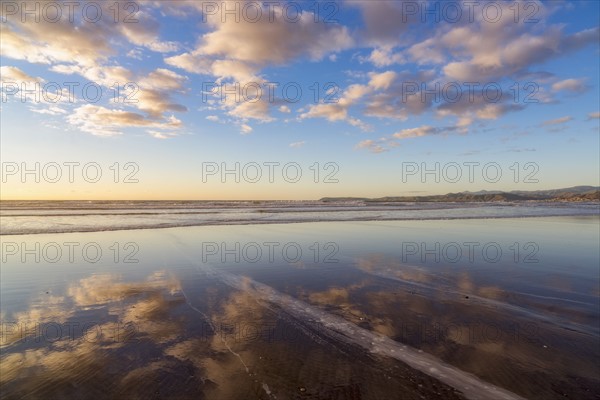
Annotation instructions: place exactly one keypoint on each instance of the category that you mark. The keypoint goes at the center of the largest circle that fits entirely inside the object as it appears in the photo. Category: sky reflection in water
(190, 318)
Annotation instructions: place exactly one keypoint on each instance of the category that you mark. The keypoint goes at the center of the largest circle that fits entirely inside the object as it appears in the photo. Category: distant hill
(558, 192)
(573, 194)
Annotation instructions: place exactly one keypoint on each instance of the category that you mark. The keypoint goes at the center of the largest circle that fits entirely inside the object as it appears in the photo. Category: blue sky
(371, 125)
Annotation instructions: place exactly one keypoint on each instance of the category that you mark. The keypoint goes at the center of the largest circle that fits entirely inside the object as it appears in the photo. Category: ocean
(351, 301)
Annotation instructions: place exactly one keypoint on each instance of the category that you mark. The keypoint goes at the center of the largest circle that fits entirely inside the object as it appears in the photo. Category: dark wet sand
(174, 327)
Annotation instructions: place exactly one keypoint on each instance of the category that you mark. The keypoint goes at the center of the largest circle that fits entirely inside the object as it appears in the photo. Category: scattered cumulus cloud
(570, 85)
(245, 129)
(372, 146)
(558, 121)
(386, 46)
(594, 115)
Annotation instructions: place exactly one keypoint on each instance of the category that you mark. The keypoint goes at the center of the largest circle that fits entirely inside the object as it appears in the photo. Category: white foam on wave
(16, 221)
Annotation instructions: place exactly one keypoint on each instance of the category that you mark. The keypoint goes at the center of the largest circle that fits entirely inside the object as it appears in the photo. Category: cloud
(150, 93)
(485, 50)
(482, 51)
(277, 42)
(415, 132)
(162, 135)
(382, 80)
(557, 121)
(51, 110)
(384, 144)
(297, 144)
(191, 63)
(338, 111)
(271, 40)
(244, 52)
(238, 50)
(384, 21)
(372, 146)
(394, 95)
(48, 43)
(79, 41)
(145, 32)
(13, 79)
(246, 129)
(86, 49)
(43, 96)
(106, 75)
(427, 130)
(570, 85)
(16, 75)
(101, 121)
(479, 106)
(384, 56)
(426, 52)
(332, 112)
(136, 54)
(497, 54)
(155, 91)
(521, 150)
(594, 115)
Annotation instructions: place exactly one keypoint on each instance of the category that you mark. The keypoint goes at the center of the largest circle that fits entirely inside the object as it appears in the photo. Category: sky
(237, 100)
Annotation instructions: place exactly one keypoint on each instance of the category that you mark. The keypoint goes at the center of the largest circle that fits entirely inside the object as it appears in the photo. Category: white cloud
(16, 75)
(246, 129)
(78, 42)
(493, 53)
(427, 52)
(372, 146)
(239, 50)
(415, 132)
(101, 121)
(570, 85)
(297, 144)
(273, 42)
(51, 110)
(135, 54)
(384, 56)
(338, 111)
(230, 51)
(382, 80)
(558, 121)
(162, 134)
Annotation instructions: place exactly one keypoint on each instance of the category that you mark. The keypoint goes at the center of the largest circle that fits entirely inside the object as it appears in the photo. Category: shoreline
(286, 222)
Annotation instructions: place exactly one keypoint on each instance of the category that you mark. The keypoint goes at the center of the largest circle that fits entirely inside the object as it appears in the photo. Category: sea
(299, 300)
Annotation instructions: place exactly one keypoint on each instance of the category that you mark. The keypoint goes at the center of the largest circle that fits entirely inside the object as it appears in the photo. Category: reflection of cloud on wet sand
(169, 352)
(462, 321)
(107, 355)
(378, 264)
(25, 324)
(162, 350)
(332, 296)
(237, 320)
(101, 289)
(38, 370)
(149, 302)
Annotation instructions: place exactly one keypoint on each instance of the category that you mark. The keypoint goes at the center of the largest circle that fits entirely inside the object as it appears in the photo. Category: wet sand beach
(335, 310)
